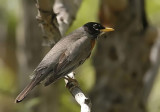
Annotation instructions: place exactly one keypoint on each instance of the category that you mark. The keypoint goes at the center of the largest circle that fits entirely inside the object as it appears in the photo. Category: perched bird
(69, 53)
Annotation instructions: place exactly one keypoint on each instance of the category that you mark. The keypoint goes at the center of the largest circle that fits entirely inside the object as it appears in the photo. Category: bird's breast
(92, 43)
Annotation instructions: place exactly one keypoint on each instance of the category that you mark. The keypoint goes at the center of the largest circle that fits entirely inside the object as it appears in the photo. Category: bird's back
(52, 57)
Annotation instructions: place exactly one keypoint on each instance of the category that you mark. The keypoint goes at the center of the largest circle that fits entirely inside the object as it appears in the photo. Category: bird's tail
(25, 92)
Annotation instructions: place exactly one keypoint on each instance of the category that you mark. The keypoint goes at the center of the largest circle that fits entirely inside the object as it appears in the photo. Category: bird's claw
(71, 82)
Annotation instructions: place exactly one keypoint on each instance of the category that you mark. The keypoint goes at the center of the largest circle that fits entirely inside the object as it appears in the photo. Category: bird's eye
(96, 27)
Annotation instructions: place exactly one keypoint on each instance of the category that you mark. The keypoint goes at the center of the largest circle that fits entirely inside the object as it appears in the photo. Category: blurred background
(21, 50)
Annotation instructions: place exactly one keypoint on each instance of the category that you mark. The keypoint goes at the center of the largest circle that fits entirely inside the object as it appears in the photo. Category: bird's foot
(71, 82)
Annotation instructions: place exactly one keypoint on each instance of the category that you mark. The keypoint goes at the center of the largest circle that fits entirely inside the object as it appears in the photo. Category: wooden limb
(77, 93)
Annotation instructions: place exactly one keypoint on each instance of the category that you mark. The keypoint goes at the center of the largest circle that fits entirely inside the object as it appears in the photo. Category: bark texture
(123, 59)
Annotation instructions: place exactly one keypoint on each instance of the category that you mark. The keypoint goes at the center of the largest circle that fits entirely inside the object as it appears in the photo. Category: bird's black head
(95, 29)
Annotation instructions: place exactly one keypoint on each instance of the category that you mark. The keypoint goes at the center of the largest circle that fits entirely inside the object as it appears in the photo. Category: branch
(77, 93)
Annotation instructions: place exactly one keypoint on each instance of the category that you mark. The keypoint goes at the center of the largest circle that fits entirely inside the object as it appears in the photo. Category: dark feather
(39, 76)
(24, 93)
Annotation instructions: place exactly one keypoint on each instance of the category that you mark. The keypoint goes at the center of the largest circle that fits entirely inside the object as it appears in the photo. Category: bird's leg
(71, 82)
(70, 79)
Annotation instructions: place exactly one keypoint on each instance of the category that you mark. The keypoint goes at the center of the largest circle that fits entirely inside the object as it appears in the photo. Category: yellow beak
(107, 29)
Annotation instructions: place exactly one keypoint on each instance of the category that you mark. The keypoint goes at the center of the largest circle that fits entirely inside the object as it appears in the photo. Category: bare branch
(77, 93)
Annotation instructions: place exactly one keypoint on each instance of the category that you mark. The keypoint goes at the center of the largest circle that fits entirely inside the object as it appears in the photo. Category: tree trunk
(123, 59)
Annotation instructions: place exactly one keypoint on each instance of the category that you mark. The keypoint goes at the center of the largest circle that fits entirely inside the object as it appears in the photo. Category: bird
(65, 56)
